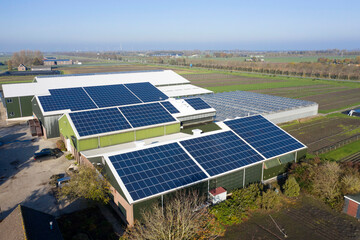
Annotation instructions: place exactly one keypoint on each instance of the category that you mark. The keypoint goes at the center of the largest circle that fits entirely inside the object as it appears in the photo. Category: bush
(235, 209)
(69, 156)
(350, 184)
(270, 200)
(61, 145)
(291, 187)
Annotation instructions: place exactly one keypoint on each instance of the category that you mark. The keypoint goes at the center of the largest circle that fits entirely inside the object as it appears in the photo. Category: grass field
(343, 152)
(307, 218)
(324, 131)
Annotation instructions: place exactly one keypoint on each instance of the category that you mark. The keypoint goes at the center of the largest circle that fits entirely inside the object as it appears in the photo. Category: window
(9, 100)
(122, 209)
(11, 114)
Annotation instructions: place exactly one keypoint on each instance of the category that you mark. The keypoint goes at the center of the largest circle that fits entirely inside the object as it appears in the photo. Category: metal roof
(44, 83)
(183, 90)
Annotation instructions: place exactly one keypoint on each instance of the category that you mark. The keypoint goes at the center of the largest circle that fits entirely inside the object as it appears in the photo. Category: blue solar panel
(67, 98)
(221, 152)
(99, 121)
(146, 114)
(169, 107)
(264, 136)
(154, 170)
(111, 95)
(146, 92)
(197, 103)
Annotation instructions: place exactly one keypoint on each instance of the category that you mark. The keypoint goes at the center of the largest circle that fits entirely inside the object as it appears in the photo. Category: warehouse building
(49, 108)
(244, 151)
(17, 97)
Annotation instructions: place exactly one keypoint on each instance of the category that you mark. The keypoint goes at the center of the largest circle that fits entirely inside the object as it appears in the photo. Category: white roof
(19, 89)
(44, 83)
(183, 90)
(157, 78)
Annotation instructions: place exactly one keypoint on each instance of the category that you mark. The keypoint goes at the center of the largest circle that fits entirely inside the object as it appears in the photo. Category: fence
(337, 145)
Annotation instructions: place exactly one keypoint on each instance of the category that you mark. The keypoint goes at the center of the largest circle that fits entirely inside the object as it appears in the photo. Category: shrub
(69, 156)
(326, 181)
(291, 187)
(61, 145)
(228, 213)
(270, 200)
(235, 209)
(350, 184)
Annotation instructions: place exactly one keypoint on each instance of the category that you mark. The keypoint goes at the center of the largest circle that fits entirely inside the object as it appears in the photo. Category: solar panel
(66, 98)
(146, 114)
(264, 136)
(221, 152)
(111, 95)
(146, 92)
(99, 121)
(197, 103)
(169, 107)
(154, 170)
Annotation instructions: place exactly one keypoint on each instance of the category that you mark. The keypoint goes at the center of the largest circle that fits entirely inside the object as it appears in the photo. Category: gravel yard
(23, 180)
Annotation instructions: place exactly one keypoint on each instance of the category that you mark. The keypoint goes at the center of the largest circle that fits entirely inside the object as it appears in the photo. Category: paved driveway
(23, 180)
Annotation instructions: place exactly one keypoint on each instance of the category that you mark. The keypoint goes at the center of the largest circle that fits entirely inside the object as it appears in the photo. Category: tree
(87, 183)
(181, 218)
(326, 181)
(10, 65)
(291, 187)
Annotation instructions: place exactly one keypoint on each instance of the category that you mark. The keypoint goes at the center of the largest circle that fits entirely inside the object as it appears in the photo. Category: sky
(111, 25)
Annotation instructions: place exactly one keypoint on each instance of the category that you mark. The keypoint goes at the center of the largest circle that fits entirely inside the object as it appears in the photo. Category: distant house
(25, 223)
(41, 68)
(52, 62)
(22, 67)
(351, 206)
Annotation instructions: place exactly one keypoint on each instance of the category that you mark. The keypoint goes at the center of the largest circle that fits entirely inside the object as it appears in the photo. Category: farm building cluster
(130, 125)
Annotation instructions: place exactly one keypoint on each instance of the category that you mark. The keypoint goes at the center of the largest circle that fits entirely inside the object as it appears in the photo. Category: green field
(342, 152)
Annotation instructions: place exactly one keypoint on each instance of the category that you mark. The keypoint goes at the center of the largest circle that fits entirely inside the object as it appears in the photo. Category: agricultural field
(99, 67)
(15, 79)
(331, 95)
(325, 131)
(308, 218)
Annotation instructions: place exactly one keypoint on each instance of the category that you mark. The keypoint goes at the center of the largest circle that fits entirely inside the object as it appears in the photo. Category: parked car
(47, 152)
(62, 181)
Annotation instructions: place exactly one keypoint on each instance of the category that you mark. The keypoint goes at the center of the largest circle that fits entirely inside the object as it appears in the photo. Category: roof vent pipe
(139, 144)
(196, 132)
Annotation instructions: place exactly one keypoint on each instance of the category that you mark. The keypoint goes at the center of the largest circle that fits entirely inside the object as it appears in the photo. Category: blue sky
(179, 25)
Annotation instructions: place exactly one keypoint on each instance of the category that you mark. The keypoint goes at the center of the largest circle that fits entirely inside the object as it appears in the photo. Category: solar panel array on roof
(100, 96)
(169, 107)
(146, 92)
(67, 98)
(240, 104)
(197, 103)
(111, 95)
(99, 121)
(264, 136)
(154, 170)
(221, 152)
(146, 114)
